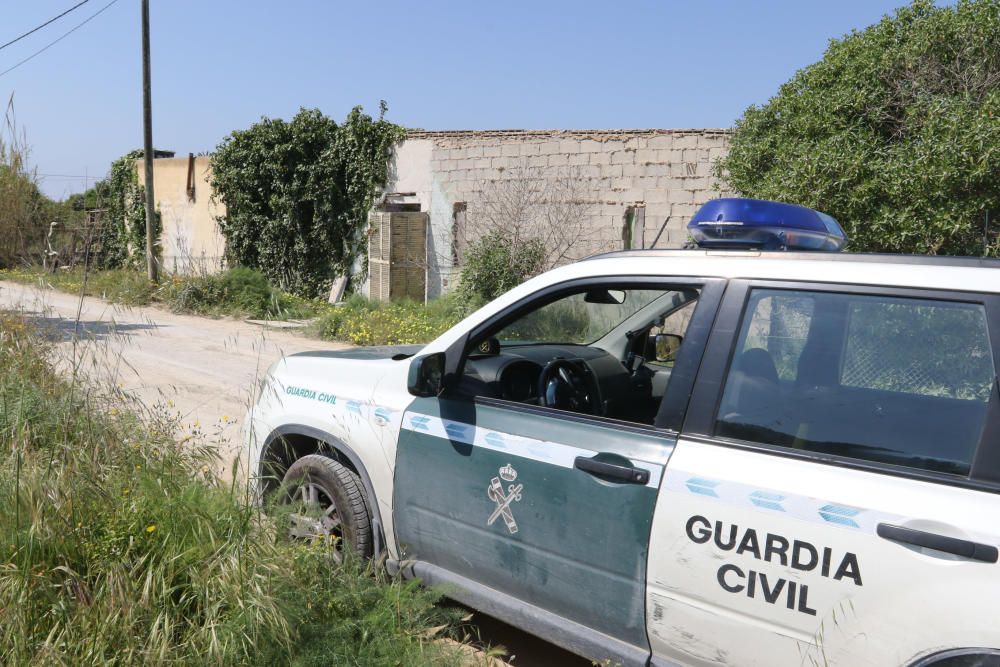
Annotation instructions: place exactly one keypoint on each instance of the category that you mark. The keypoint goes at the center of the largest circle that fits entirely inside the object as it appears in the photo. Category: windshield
(576, 319)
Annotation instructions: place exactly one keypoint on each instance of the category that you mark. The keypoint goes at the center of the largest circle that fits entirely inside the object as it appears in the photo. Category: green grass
(120, 547)
(364, 322)
(245, 293)
(236, 292)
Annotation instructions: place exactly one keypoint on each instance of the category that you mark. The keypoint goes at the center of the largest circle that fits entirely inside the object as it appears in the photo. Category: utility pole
(147, 149)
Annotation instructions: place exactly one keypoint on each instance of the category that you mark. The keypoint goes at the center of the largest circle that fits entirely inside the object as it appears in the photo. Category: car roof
(878, 258)
(953, 274)
(969, 274)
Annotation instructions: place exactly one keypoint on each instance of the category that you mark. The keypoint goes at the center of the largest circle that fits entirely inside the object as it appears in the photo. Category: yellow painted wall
(191, 241)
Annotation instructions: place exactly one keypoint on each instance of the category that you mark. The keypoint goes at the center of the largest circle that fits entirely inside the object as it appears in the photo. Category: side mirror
(666, 346)
(615, 297)
(426, 375)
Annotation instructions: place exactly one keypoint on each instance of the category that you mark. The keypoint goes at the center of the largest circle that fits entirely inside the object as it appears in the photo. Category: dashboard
(514, 372)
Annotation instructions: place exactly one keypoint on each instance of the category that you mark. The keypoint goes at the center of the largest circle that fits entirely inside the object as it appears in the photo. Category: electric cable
(36, 29)
(60, 38)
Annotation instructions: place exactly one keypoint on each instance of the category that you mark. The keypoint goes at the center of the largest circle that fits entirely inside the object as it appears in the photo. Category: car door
(833, 499)
(548, 511)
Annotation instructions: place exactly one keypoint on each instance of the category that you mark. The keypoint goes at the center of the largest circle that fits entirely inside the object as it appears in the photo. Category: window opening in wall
(634, 227)
(190, 177)
(459, 237)
(396, 202)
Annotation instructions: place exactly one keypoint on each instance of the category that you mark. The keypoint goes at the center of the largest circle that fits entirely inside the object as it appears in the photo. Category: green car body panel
(579, 544)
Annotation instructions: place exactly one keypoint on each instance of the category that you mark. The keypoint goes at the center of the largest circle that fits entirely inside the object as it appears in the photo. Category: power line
(61, 37)
(36, 29)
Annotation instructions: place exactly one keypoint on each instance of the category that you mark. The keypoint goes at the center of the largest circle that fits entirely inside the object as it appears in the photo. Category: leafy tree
(297, 194)
(895, 132)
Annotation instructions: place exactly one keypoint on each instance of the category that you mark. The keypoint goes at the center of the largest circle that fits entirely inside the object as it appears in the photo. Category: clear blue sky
(218, 65)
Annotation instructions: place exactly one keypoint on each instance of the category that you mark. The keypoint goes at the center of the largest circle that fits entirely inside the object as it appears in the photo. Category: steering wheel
(569, 385)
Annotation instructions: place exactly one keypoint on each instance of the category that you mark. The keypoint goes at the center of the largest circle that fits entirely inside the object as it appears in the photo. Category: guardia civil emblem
(503, 498)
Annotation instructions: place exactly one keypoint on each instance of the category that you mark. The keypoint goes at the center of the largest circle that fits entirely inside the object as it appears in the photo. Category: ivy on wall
(297, 194)
(122, 240)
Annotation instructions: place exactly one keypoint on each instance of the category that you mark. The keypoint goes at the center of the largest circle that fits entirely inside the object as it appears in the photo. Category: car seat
(752, 394)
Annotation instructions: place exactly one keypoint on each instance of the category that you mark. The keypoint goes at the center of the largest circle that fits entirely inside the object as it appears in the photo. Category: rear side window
(918, 348)
(896, 380)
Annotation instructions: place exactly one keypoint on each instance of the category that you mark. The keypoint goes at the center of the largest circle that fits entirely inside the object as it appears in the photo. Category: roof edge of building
(541, 134)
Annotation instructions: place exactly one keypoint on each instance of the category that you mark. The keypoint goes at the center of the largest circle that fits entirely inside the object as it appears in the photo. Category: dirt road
(202, 370)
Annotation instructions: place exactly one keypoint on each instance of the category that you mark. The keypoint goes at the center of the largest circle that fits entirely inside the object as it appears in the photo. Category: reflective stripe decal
(544, 451)
(806, 508)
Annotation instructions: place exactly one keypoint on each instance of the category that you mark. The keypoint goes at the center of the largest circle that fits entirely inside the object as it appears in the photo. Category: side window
(578, 319)
(582, 352)
(896, 380)
(780, 324)
(946, 351)
(674, 324)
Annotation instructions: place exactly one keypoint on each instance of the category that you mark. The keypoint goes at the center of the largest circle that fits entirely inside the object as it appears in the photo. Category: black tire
(335, 502)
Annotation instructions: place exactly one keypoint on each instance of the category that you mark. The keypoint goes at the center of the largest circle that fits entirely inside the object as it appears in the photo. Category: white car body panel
(369, 397)
(891, 618)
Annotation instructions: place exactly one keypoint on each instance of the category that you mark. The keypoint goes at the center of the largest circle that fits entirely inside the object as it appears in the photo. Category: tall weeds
(22, 206)
(118, 546)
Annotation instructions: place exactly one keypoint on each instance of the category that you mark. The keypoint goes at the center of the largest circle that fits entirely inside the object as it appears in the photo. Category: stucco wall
(190, 241)
(668, 172)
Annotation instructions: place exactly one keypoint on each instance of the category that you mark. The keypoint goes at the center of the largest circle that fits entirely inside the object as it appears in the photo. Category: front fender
(355, 407)
(269, 454)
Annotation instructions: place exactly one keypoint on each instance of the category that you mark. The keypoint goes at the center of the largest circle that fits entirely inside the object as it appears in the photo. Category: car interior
(853, 376)
(605, 351)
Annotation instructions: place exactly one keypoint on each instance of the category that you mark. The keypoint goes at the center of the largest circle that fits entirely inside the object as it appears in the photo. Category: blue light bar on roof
(735, 223)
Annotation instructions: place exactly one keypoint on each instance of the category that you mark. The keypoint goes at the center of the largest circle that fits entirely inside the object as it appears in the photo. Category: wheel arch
(960, 657)
(290, 442)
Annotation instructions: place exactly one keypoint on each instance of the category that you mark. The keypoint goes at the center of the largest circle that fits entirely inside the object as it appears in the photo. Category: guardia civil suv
(704, 457)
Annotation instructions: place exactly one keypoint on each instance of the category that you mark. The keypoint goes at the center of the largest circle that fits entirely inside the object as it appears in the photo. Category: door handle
(986, 553)
(612, 471)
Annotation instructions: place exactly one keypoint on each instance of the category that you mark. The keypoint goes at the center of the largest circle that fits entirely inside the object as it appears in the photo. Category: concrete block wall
(668, 172)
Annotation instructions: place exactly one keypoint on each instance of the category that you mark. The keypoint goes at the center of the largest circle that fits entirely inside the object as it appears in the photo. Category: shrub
(895, 132)
(121, 548)
(240, 292)
(363, 322)
(497, 263)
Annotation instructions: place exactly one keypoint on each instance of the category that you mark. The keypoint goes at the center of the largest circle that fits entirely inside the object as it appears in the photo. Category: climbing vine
(122, 238)
(297, 194)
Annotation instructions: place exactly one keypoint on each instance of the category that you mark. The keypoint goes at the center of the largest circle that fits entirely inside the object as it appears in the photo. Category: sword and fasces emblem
(503, 498)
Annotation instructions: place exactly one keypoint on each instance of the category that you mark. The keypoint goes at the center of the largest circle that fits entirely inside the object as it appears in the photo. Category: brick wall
(666, 172)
